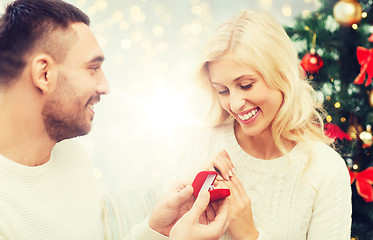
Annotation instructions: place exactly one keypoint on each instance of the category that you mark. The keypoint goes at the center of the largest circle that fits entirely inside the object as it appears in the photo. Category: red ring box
(205, 181)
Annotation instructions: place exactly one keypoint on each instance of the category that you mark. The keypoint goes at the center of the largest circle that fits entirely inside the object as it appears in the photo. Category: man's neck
(23, 137)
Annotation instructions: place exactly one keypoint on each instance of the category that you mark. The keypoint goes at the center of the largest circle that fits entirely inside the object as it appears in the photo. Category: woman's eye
(223, 92)
(247, 86)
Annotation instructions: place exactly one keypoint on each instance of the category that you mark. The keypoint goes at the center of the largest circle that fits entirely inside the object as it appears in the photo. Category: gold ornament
(354, 131)
(347, 12)
(366, 136)
(371, 98)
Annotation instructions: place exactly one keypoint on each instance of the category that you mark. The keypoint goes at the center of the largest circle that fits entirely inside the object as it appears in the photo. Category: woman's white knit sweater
(292, 197)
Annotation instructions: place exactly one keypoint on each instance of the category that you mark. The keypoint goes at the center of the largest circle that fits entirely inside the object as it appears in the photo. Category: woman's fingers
(223, 165)
(241, 190)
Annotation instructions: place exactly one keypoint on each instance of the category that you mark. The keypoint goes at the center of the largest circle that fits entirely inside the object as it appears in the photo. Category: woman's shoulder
(325, 152)
(325, 158)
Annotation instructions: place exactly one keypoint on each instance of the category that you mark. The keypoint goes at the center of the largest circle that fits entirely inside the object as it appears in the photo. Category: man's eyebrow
(96, 59)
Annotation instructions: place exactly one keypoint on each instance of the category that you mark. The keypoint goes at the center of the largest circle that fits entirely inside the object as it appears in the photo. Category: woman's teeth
(248, 115)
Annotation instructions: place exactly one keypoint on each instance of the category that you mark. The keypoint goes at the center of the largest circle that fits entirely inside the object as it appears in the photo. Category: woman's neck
(260, 146)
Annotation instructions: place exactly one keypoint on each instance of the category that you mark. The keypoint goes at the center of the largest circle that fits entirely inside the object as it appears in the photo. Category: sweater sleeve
(143, 231)
(124, 213)
(331, 214)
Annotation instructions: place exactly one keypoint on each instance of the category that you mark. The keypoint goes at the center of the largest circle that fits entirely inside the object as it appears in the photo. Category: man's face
(68, 111)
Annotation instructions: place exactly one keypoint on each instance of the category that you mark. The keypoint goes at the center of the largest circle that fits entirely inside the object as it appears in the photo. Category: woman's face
(245, 95)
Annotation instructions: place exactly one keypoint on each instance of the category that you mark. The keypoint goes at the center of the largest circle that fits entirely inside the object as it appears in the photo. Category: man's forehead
(86, 43)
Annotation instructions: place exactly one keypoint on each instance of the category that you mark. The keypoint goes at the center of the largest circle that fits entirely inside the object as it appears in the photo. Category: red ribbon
(335, 132)
(364, 182)
(364, 57)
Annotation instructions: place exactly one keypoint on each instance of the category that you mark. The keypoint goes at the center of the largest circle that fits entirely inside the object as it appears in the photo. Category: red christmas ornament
(364, 181)
(335, 132)
(364, 57)
(312, 62)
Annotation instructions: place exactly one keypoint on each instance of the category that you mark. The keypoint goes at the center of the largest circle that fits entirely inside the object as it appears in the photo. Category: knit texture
(292, 197)
(60, 200)
(57, 200)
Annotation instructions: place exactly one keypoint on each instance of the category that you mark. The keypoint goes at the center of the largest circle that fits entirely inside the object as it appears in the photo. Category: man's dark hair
(28, 24)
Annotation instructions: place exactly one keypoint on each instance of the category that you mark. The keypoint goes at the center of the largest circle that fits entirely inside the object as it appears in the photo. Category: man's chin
(59, 136)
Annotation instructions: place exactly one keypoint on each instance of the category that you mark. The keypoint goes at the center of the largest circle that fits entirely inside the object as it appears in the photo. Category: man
(50, 80)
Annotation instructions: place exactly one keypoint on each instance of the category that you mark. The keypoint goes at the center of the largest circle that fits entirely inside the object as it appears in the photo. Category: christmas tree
(335, 49)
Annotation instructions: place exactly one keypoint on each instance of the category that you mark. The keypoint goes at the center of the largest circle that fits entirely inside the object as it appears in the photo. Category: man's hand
(189, 227)
(177, 200)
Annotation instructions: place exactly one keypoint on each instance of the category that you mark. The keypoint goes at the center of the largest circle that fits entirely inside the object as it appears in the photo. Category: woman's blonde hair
(257, 40)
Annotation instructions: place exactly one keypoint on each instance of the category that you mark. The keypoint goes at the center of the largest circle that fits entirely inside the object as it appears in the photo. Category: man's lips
(92, 101)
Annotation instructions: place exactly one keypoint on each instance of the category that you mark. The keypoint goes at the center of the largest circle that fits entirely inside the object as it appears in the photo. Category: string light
(196, 28)
(343, 119)
(196, 10)
(266, 3)
(124, 25)
(329, 118)
(136, 15)
(137, 36)
(101, 5)
(337, 105)
(286, 10)
(126, 43)
(355, 166)
(158, 30)
(117, 16)
(306, 13)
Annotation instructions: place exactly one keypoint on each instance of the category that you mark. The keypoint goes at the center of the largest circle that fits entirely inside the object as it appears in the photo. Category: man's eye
(95, 68)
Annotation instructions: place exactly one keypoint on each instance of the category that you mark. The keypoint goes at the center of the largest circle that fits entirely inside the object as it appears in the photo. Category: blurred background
(152, 48)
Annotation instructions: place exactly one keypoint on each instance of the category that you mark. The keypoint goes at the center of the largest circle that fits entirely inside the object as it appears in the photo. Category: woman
(286, 181)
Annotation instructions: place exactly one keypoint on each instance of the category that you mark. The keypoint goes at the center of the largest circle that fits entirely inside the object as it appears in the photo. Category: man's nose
(103, 86)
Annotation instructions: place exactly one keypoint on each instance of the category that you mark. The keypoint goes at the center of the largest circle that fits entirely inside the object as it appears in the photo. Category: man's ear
(42, 71)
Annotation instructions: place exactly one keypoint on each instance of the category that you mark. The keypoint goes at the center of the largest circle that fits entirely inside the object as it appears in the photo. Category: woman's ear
(41, 71)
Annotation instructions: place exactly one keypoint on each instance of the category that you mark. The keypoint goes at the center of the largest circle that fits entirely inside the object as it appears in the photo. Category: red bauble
(311, 63)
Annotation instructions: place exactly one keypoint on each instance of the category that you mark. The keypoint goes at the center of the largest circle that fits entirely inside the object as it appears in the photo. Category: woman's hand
(241, 217)
(223, 165)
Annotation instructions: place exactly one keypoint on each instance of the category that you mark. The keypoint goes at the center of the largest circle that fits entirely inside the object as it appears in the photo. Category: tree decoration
(337, 45)
(347, 12)
(363, 181)
(364, 57)
(335, 132)
(366, 137)
(312, 62)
